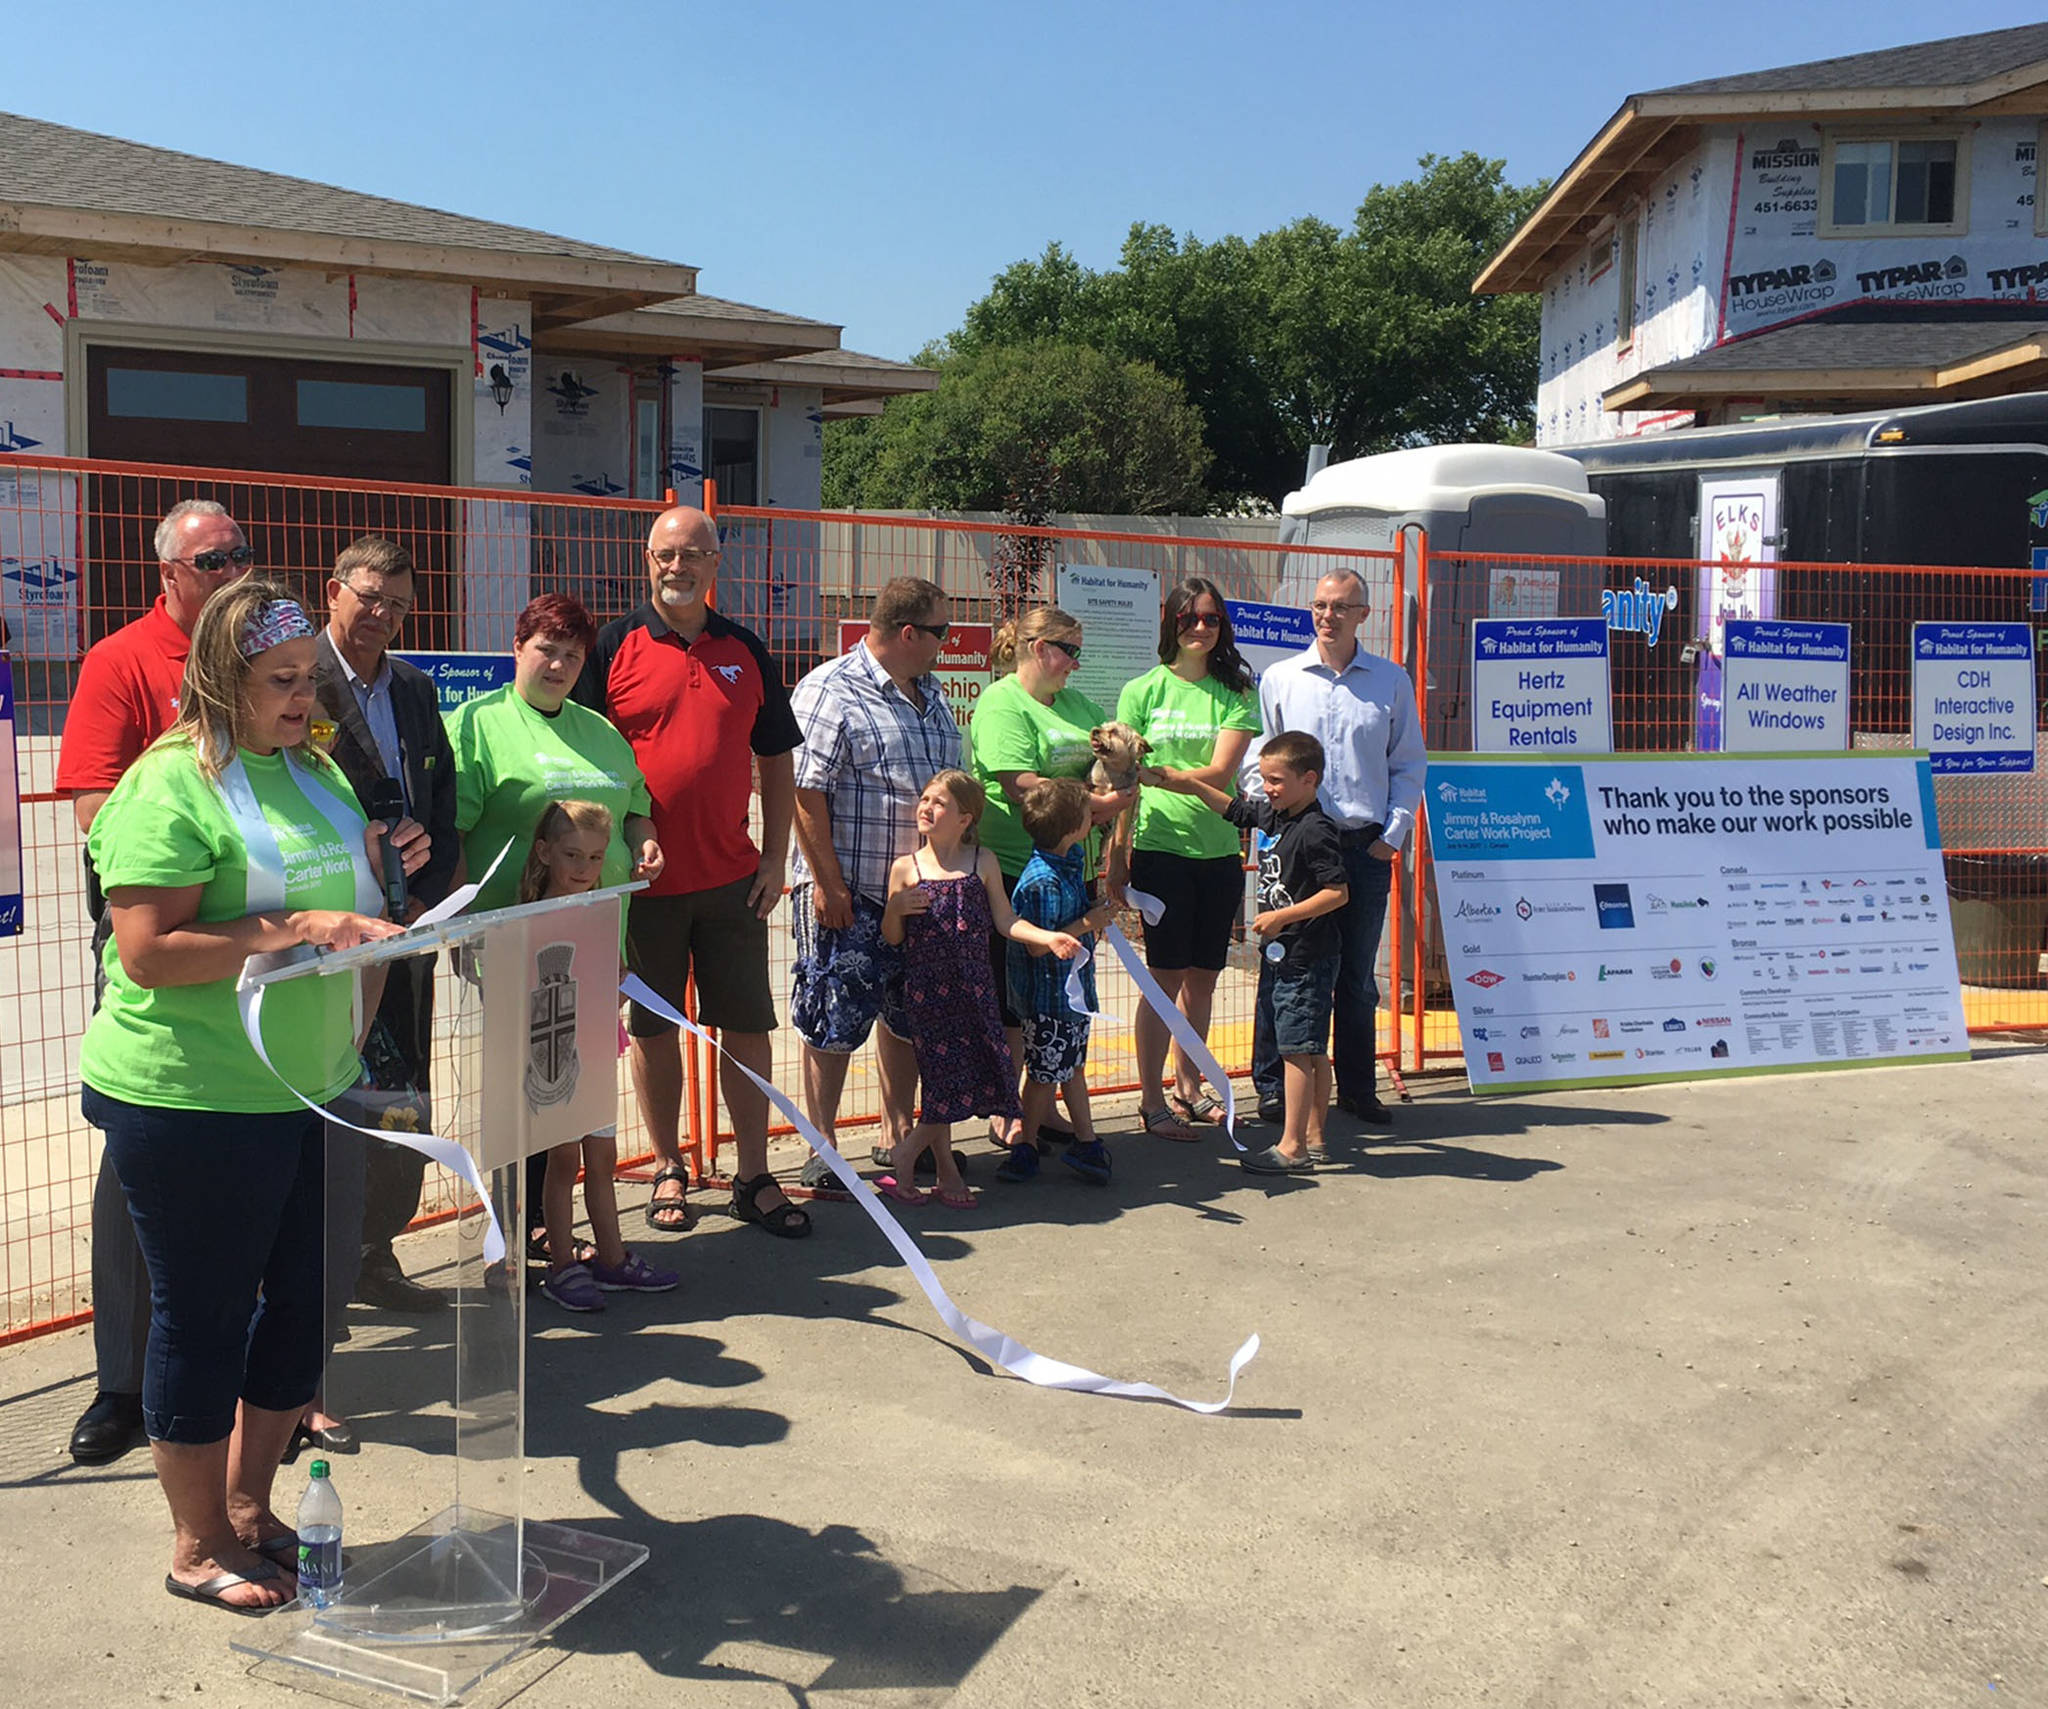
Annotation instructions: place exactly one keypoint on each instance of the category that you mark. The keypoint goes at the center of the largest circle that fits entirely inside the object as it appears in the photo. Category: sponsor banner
(461, 677)
(1622, 920)
(1118, 611)
(1521, 592)
(1786, 686)
(1266, 634)
(963, 664)
(10, 811)
(1639, 609)
(1973, 696)
(1540, 684)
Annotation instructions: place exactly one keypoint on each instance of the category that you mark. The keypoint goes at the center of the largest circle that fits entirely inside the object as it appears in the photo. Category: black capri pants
(1203, 899)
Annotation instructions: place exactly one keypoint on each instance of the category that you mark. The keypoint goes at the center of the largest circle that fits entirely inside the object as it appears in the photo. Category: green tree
(1364, 339)
(1021, 427)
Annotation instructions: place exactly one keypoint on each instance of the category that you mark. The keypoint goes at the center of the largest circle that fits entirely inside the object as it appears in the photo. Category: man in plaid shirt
(876, 730)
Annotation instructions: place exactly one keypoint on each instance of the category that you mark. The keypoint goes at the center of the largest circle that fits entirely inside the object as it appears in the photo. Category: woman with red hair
(528, 745)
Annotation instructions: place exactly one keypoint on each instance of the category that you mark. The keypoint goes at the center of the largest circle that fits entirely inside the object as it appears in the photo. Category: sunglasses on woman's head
(1070, 648)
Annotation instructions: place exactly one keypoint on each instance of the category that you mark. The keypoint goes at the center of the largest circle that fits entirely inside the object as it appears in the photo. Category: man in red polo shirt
(127, 696)
(701, 700)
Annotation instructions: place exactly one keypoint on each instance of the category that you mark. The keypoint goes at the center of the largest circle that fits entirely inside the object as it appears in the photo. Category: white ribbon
(446, 1152)
(1191, 1042)
(998, 1348)
(457, 900)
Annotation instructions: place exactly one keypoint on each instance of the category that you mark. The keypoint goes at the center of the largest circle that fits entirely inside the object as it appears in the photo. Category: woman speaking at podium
(230, 836)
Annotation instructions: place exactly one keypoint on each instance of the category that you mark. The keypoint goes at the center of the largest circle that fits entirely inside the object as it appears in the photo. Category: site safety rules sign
(1617, 921)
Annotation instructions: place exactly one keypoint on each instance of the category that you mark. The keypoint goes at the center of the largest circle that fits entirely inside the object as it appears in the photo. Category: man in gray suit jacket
(386, 721)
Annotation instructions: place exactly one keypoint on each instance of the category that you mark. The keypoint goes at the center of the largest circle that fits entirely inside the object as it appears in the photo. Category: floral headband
(270, 625)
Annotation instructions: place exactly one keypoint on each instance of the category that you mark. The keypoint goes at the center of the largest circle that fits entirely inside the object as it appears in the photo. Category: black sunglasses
(1068, 647)
(212, 563)
(1188, 620)
(937, 631)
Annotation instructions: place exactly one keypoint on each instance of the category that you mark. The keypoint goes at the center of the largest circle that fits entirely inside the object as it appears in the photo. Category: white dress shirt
(1365, 717)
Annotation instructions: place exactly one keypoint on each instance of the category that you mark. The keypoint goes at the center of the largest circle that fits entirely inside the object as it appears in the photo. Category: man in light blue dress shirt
(1361, 707)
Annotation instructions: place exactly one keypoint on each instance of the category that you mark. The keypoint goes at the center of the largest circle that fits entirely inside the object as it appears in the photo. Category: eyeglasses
(669, 556)
(937, 631)
(212, 563)
(1189, 620)
(380, 603)
(1070, 648)
(1334, 608)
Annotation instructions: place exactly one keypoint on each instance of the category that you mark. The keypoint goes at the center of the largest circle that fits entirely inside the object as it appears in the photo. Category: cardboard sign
(1973, 696)
(1540, 684)
(1785, 686)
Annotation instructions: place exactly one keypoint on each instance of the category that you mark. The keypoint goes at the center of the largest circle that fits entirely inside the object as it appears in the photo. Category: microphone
(387, 802)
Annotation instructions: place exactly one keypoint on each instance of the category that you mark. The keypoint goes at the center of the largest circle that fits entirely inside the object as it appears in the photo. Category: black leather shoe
(107, 1429)
(1367, 1109)
(388, 1288)
(1274, 1112)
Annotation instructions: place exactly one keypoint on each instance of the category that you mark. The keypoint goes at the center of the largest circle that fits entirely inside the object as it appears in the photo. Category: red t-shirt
(127, 696)
(695, 712)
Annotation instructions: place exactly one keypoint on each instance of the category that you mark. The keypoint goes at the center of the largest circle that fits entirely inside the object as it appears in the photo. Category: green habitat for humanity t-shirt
(1182, 721)
(167, 826)
(1013, 732)
(511, 761)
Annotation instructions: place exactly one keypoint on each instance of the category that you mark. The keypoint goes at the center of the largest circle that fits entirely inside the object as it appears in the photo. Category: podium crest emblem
(552, 1064)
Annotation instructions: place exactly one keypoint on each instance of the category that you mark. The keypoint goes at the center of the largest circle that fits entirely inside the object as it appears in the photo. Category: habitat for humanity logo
(1558, 792)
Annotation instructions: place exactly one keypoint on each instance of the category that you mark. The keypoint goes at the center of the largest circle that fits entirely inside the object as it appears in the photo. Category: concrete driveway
(1699, 1396)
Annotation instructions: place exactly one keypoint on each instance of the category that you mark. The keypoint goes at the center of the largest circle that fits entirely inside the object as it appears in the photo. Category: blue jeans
(229, 1211)
(1353, 1057)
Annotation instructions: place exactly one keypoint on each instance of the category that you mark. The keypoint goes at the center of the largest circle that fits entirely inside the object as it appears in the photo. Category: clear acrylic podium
(535, 1063)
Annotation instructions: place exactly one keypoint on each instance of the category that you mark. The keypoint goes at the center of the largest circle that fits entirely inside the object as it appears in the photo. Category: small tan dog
(1119, 751)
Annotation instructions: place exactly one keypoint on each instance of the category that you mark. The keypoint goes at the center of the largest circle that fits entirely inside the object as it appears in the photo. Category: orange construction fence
(77, 562)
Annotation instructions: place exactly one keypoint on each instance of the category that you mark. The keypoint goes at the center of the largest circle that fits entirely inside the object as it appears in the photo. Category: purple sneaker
(635, 1276)
(573, 1289)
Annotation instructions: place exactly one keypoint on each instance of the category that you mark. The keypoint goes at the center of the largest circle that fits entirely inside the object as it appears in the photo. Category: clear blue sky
(876, 165)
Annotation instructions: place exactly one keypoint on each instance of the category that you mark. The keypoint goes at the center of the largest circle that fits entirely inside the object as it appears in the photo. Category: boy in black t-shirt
(1301, 886)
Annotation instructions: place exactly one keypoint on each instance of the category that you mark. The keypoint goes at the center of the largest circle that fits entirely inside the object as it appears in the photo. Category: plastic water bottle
(319, 1541)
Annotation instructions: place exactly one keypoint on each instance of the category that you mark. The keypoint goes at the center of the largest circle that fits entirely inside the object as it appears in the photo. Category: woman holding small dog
(1030, 725)
(1198, 711)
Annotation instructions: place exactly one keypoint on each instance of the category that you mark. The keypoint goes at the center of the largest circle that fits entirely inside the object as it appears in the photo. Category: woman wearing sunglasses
(1199, 711)
(1030, 725)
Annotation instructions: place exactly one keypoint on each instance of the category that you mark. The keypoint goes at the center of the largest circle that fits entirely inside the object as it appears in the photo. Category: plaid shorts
(845, 977)
(1054, 1049)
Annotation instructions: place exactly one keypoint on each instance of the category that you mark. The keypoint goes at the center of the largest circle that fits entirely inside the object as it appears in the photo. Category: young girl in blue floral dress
(943, 900)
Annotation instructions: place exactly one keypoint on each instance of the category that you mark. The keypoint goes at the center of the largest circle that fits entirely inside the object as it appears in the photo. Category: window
(353, 404)
(650, 465)
(163, 394)
(1872, 185)
(1625, 275)
(735, 457)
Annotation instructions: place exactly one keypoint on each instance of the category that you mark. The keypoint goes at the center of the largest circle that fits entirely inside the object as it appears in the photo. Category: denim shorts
(1054, 1049)
(845, 977)
(1300, 997)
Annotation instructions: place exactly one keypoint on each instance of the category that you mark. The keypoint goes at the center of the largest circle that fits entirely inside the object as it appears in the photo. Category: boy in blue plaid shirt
(1053, 893)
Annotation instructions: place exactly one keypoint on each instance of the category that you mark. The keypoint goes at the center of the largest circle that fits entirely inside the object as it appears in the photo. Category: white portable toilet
(1506, 499)
(1509, 499)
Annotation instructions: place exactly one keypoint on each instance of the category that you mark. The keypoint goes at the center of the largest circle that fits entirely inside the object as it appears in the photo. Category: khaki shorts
(714, 933)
